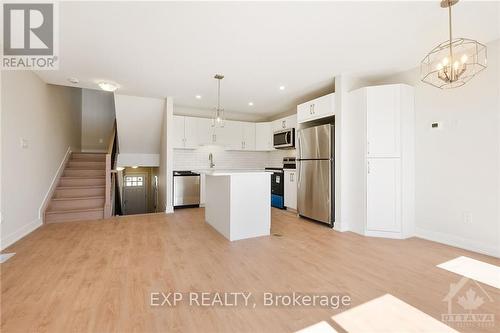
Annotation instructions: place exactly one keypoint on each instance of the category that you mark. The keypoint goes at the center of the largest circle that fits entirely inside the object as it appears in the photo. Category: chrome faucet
(211, 160)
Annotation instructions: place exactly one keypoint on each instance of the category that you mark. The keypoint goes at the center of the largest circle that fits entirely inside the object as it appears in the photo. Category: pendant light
(218, 120)
(453, 62)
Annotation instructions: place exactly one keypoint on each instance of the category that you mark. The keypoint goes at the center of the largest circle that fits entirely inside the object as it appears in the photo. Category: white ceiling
(158, 49)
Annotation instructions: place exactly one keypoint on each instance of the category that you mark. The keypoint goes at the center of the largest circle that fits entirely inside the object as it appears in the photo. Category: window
(134, 181)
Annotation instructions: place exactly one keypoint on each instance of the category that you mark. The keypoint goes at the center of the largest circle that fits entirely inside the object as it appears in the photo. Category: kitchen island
(238, 203)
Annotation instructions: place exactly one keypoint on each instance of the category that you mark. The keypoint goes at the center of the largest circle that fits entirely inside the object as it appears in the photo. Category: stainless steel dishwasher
(186, 189)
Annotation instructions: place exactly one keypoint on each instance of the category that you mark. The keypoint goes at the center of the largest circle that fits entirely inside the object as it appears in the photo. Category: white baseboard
(20, 233)
(456, 241)
(169, 209)
(53, 184)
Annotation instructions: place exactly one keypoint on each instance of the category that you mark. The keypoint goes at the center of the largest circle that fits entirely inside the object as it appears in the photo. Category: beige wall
(49, 119)
(98, 116)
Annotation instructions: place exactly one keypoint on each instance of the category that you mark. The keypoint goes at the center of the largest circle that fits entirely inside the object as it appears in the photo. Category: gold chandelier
(453, 62)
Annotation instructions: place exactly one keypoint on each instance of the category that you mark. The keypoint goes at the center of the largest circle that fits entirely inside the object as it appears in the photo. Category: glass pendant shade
(444, 70)
(218, 119)
(453, 62)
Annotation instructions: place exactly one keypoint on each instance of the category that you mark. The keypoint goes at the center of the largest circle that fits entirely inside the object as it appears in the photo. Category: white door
(290, 189)
(205, 131)
(178, 137)
(383, 197)
(383, 121)
(134, 194)
(263, 136)
(190, 132)
(248, 136)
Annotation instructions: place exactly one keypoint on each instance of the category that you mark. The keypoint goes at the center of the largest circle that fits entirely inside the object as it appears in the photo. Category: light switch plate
(23, 142)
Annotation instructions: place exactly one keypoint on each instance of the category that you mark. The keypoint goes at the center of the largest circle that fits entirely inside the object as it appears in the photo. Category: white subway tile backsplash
(192, 159)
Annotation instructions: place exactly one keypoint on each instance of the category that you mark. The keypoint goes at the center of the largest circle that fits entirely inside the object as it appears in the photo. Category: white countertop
(229, 172)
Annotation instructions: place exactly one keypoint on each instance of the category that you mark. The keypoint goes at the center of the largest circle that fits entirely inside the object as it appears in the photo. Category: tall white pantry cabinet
(380, 155)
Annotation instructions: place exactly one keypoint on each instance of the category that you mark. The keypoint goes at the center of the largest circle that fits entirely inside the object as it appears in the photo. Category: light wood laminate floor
(97, 276)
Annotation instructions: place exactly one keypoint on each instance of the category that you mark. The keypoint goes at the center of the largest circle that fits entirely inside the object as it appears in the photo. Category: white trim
(20, 233)
(456, 241)
(53, 185)
(169, 210)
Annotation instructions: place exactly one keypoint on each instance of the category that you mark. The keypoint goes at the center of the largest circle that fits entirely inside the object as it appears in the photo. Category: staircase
(81, 190)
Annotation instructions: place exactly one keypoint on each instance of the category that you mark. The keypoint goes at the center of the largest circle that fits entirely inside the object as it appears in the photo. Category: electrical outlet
(101, 140)
(467, 217)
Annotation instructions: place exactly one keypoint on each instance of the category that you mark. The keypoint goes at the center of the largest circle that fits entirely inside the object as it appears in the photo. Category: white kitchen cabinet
(205, 131)
(318, 108)
(178, 130)
(263, 136)
(284, 123)
(230, 135)
(383, 121)
(290, 184)
(248, 139)
(380, 159)
(383, 194)
(185, 134)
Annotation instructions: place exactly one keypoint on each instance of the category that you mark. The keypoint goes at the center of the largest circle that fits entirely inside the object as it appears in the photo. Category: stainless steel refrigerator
(315, 181)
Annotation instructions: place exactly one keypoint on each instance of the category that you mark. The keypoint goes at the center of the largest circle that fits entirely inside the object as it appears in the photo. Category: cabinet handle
(283, 124)
(368, 167)
(368, 147)
(291, 177)
(313, 108)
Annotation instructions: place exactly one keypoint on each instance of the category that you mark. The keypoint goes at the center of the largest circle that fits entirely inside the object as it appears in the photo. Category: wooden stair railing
(110, 174)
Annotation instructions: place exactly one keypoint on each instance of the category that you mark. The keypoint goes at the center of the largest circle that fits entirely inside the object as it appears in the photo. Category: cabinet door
(205, 131)
(248, 136)
(190, 132)
(383, 197)
(383, 121)
(303, 112)
(230, 136)
(178, 129)
(290, 189)
(323, 106)
(263, 136)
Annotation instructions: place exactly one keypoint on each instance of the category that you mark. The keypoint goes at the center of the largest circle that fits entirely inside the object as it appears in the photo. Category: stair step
(83, 173)
(84, 164)
(84, 156)
(81, 181)
(57, 204)
(79, 191)
(74, 215)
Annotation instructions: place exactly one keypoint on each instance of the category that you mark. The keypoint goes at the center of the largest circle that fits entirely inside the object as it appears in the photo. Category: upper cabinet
(284, 123)
(193, 132)
(383, 129)
(263, 136)
(185, 132)
(317, 108)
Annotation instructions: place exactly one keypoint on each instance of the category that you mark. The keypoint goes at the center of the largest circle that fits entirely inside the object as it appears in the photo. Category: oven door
(284, 139)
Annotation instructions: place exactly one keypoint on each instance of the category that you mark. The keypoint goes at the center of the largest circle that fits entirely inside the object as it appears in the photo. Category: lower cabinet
(383, 195)
(290, 189)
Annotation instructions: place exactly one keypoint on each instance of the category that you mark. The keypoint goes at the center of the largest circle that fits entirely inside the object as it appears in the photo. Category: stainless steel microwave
(284, 139)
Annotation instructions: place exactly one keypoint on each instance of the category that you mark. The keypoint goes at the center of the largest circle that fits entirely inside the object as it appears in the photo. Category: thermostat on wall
(437, 125)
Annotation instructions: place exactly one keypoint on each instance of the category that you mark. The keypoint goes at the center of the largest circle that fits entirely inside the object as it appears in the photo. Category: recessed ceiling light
(73, 80)
(250, 103)
(282, 87)
(135, 167)
(108, 86)
(197, 96)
